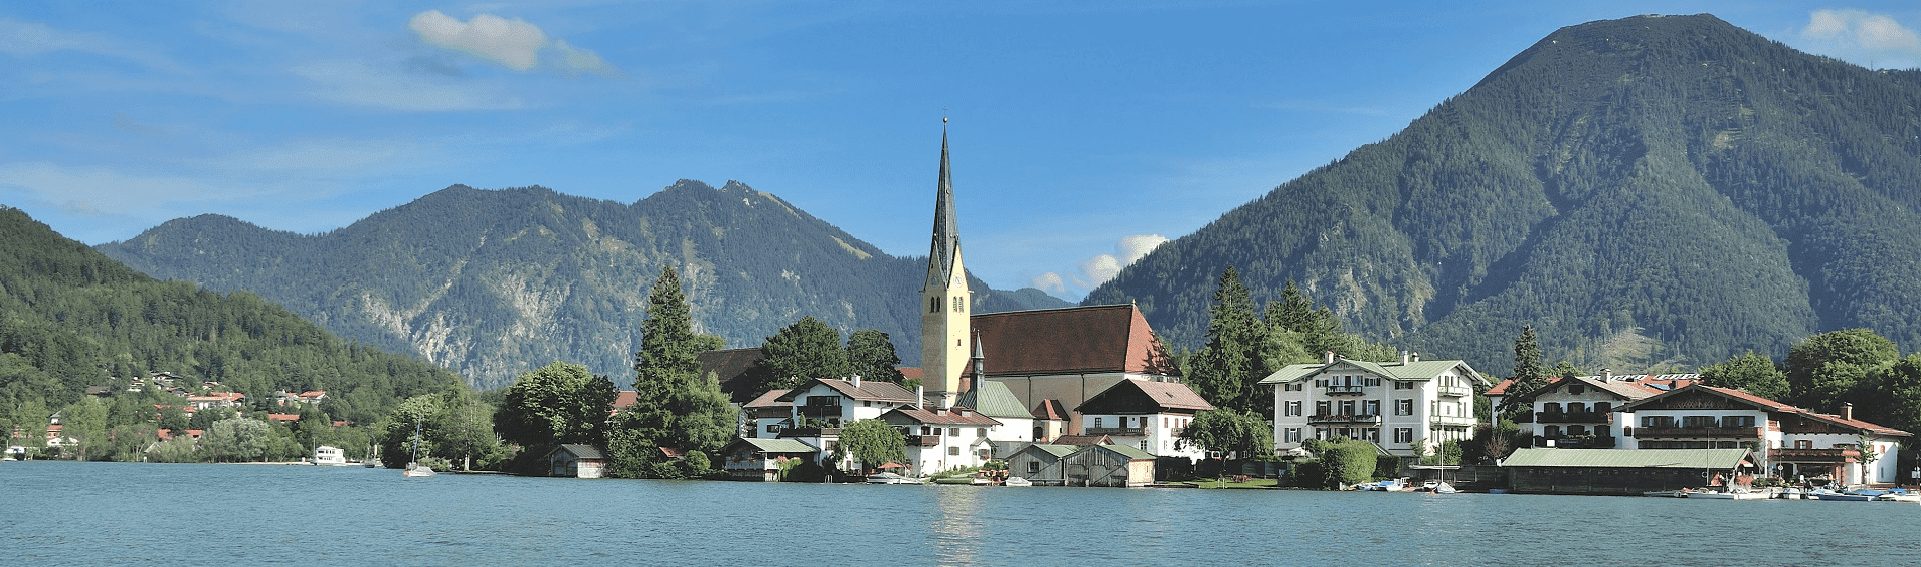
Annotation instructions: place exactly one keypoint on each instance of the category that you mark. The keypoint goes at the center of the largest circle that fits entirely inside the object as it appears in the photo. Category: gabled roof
(936, 417)
(1051, 410)
(1108, 338)
(869, 390)
(1083, 440)
(776, 445)
(1655, 383)
(1055, 449)
(1764, 404)
(770, 399)
(1137, 396)
(1723, 459)
(1620, 389)
(1413, 370)
(1131, 452)
(1757, 402)
(625, 399)
(732, 367)
(578, 450)
(994, 399)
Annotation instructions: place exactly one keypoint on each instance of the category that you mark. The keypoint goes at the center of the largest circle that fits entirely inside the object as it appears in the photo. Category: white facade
(1399, 406)
(1154, 433)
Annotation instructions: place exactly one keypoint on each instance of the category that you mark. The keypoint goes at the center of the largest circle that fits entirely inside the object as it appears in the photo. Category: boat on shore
(1728, 495)
(1017, 481)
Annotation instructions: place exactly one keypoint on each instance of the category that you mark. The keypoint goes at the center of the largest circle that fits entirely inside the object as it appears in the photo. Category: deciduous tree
(873, 442)
(871, 356)
(805, 350)
(1751, 373)
(557, 403)
(1243, 434)
(1823, 370)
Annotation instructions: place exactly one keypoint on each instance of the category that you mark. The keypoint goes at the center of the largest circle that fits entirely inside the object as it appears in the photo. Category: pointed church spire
(946, 244)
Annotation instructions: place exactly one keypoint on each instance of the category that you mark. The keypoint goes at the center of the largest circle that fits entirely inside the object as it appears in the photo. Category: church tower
(945, 299)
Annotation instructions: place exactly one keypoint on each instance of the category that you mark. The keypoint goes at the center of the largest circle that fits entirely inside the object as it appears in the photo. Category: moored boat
(1018, 481)
(890, 478)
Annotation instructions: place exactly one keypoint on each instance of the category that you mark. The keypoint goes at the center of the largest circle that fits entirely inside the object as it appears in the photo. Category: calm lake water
(63, 513)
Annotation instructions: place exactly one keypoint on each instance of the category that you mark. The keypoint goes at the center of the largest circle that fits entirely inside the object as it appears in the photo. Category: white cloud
(514, 44)
(1050, 282)
(1862, 37)
(1102, 267)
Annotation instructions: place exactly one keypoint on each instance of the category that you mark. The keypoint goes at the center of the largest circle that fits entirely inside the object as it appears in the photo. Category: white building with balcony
(1395, 405)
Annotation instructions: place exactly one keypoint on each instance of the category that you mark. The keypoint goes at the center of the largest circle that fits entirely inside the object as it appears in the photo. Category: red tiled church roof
(1109, 338)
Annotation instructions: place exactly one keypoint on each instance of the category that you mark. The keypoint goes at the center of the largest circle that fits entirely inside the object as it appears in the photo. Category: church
(991, 384)
(1096, 370)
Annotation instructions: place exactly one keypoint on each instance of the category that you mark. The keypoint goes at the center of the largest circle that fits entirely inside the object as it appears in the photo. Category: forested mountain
(1646, 192)
(493, 283)
(71, 318)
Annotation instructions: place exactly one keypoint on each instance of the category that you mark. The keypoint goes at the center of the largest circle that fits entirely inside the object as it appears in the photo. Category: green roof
(1129, 451)
(1628, 458)
(1055, 450)
(994, 399)
(1422, 370)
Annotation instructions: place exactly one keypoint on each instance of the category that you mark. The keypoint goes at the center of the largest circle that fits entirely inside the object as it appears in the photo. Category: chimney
(1847, 411)
(1415, 355)
(920, 396)
(1403, 357)
(1607, 375)
(1330, 357)
(856, 380)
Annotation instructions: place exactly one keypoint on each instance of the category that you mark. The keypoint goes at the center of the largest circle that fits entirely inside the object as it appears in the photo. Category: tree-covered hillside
(71, 318)
(1645, 192)
(496, 283)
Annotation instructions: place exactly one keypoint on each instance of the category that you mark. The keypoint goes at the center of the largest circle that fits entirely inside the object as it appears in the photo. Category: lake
(65, 513)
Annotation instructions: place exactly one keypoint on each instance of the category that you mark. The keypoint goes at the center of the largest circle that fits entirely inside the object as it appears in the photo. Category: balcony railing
(1816, 455)
(810, 432)
(1735, 432)
(1453, 420)
(1572, 417)
(1345, 390)
(1364, 419)
(923, 440)
(1117, 431)
(818, 411)
(1455, 391)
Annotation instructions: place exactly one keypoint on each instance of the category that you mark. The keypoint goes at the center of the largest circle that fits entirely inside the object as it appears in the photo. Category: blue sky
(1083, 133)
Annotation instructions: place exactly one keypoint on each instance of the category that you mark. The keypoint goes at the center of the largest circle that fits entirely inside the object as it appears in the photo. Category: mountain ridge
(493, 282)
(1602, 183)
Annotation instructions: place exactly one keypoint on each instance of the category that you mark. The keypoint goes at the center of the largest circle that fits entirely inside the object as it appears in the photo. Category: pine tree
(675, 405)
(1226, 371)
(1528, 375)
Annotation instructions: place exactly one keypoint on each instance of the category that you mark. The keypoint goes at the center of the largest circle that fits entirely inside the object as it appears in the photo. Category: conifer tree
(1528, 375)
(1225, 371)
(675, 405)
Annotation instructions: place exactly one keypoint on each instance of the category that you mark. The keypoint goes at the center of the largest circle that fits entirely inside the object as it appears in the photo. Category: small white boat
(417, 470)
(1729, 495)
(890, 478)
(1666, 493)
(1018, 481)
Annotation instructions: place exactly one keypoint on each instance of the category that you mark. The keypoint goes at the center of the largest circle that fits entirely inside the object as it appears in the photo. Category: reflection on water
(149, 514)
(957, 524)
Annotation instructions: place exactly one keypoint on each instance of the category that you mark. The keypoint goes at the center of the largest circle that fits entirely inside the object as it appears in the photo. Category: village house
(760, 459)
(1145, 415)
(1578, 412)
(764, 416)
(943, 439)
(821, 407)
(1397, 406)
(1788, 442)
